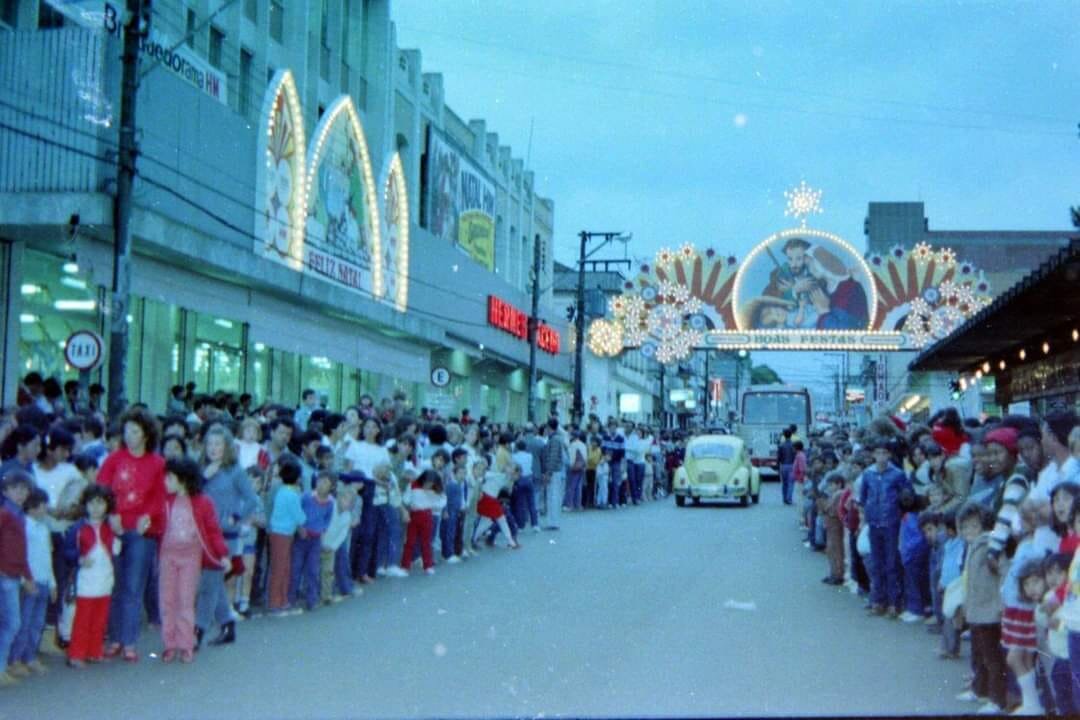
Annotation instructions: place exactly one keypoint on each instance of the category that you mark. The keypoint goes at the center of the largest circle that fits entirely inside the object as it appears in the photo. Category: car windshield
(712, 451)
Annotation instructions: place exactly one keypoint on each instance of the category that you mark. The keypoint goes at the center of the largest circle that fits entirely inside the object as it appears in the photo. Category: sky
(686, 120)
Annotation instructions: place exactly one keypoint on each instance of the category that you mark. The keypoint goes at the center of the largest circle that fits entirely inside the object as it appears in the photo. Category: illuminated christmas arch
(690, 298)
(279, 175)
(395, 215)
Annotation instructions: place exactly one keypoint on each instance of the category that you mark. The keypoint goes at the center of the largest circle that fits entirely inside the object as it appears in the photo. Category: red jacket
(13, 562)
(210, 537)
(86, 538)
(139, 486)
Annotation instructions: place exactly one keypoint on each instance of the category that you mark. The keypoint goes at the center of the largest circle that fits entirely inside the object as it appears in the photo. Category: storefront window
(55, 302)
(324, 377)
(218, 353)
(259, 372)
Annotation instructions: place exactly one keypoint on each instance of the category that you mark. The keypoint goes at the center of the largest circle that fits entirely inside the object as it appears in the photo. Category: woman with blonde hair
(229, 486)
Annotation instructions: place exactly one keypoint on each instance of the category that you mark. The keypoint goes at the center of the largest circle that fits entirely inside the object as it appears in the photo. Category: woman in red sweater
(136, 475)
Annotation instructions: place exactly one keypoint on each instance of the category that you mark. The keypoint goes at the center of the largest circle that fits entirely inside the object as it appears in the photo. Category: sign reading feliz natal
(799, 289)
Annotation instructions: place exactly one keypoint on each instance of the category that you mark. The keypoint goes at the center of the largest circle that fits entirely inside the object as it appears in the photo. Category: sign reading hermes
(799, 289)
(506, 317)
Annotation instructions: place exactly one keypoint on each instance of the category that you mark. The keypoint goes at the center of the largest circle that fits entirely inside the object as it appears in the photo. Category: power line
(698, 77)
(564, 80)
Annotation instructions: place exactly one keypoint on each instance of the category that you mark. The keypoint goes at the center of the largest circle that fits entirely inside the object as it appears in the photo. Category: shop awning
(1045, 304)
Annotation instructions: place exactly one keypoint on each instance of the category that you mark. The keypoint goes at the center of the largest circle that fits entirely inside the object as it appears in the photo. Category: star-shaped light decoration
(802, 202)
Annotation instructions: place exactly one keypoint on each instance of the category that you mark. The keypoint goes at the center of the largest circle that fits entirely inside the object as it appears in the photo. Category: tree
(764, 375)
(1075, 212)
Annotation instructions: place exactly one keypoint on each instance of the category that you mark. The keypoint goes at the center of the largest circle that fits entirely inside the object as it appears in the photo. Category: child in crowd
(318, 508)
(15, 574)
(1018, 631)
(982, 610)
(603, 477)
(952, 565)
(455, 497)
(1054, 639)
(476, 475)
(489, 508)
(915, 559)
(387, 522)
(336, 579)
(424, 498)
(24, 649)
(192, 540)
(798, 476)
(930, 525)
(834, 528)
(92, 543)
(286, 517)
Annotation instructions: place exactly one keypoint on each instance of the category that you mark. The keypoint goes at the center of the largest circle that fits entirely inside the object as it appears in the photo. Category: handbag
(862, 542)
(955, 595)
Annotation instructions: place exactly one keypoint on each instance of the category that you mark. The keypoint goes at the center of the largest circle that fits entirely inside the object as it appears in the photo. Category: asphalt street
(646, 611)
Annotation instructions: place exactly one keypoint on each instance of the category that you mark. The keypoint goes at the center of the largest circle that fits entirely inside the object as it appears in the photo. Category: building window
(56, 299)
(9, 11)
(189, 38)
(251, 10)
(277, 20)
(246, 60)
(48, 18)
(324, 42)
(217, 46)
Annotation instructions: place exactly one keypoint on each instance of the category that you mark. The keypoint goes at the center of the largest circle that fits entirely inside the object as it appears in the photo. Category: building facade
(1003, 256)
(626, 386)
(309, 211)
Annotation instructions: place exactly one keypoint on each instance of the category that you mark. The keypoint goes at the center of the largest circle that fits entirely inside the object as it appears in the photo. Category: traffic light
(571, 310)
(955, 390)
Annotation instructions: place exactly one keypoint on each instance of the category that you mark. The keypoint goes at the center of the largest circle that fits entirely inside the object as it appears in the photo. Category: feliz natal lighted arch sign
(798, 289)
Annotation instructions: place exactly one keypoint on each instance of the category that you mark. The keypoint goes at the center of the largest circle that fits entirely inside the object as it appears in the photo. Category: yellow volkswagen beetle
(717, 467)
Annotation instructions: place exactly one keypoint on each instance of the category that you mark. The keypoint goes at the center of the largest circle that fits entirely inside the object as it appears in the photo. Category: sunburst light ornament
(802, 202)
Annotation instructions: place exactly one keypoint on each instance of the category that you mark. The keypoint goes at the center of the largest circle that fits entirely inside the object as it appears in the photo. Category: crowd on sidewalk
(214, 511)
(967, 528)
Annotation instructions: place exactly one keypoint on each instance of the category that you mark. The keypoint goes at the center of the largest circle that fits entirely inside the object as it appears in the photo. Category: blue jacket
(233, 496)
(288, 514)
(880, 496)
(913, 545)
(317, 514)
(952, 560)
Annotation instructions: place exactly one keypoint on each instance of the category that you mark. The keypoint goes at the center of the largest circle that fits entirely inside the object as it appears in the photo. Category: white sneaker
(536, 529)
(909, 617)
(969, 696)
(1029, 710)
(453, 560)
(381, 572)
(429, 571)
(357, 591)
(990, 708)
(397, 571)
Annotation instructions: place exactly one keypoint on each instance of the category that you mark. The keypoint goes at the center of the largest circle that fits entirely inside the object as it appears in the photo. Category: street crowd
(969, 528)
(194, 520)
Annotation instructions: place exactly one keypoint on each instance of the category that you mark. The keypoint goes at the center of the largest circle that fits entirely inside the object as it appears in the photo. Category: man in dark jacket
(882, 484)
(785, 457)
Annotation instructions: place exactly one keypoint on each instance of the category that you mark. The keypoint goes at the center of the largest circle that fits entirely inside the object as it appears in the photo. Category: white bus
(764, 412)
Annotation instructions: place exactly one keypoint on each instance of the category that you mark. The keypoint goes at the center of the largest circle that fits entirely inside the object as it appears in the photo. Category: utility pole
(663, 400)
(578, 412)
(534, 323)
(137, 25)
(708, 391)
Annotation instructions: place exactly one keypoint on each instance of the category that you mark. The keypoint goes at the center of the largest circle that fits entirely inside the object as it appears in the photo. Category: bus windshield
(774, 408)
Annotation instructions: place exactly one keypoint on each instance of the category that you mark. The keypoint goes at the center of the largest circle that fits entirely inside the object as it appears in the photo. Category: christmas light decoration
(802, 201)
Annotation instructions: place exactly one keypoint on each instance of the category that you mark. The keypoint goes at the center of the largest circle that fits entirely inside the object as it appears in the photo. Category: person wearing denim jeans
(523, 500)
(785, 456)
(553, 465)
(10, 617)
(882, 485)
(306, 548)
(132, 575)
